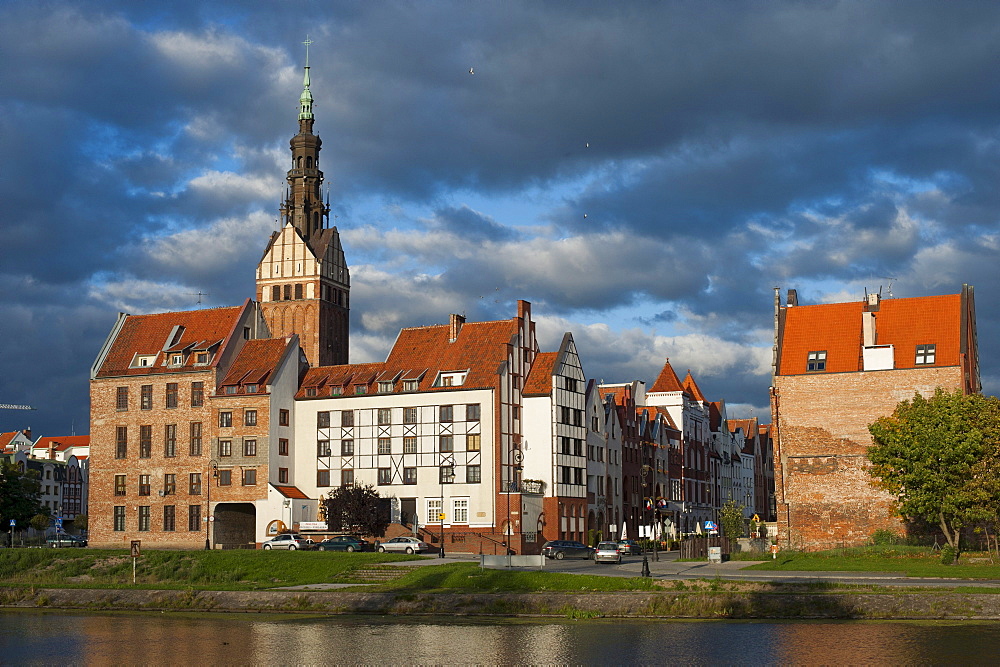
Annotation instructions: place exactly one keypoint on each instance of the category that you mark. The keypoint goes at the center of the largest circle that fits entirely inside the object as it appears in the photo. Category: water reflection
(231, 639)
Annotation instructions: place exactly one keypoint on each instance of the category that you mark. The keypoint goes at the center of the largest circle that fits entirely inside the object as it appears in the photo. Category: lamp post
(646, 504)
(213, 472)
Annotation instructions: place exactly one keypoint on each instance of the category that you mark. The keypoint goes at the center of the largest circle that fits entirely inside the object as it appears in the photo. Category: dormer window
(231, 389)
(143, 360)
(816, 361)
(310, 392)
(361, 389)
(336, 391)
(385, 387)
(177, 360)
(926, 354)
(410, 385)
(201, 358)
(251, 389)
(451, 379)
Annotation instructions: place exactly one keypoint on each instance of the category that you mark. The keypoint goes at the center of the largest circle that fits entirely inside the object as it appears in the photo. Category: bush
(948, 555)
(886, 538)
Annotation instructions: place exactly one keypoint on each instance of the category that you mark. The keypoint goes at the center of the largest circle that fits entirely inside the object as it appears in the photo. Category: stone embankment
(658, 604)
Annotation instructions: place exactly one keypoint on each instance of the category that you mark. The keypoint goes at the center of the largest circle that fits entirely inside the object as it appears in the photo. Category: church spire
(306, 99)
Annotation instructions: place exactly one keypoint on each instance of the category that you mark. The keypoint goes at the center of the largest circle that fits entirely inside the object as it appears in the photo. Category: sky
(644, 173)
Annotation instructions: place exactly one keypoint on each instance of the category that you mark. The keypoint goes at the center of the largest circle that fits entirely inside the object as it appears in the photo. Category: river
(209, 639)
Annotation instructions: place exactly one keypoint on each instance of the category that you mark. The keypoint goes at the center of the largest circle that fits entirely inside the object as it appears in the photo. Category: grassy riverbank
(912, 561)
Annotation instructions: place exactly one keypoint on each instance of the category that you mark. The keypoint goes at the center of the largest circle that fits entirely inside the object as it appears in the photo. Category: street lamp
(646, 505)
(213, 472)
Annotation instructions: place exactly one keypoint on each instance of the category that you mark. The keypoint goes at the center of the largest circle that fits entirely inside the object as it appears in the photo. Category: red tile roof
(256, 361)
(836, 328)
(539, 382)
(147, 335)
(62, 443)
(667, 379)
(424, 352)
(291, 492)
(691, 387)
(5, 439)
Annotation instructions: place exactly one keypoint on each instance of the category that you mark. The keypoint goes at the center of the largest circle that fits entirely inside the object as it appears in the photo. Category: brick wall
(825, 498)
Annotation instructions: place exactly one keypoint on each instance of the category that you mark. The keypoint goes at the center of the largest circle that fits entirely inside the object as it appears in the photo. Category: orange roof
(256, 361)
(5, 439)
(421, 353)
(539, 382)
(148, 334)
(667, 379)
(62, 443)
(291, 492)
(836, 328)
(691, 387)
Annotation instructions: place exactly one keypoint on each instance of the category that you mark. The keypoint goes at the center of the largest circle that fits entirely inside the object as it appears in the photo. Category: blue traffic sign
(13, 522)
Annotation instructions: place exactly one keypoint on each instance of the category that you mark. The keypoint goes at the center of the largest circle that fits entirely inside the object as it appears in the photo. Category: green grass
(468, 577)
(911, 561)
(208, 570)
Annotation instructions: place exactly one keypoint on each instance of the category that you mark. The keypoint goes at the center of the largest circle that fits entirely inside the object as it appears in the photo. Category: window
(225, 477)
(146, 397)
(249, 477)
(170, 441)
(410, 385)
(409, 415)
(283, 447)
(409, 445)
(360, 389)
(282, 475)
(460, 510)
(168, 518)
(571, 384)
(169, 484)
(409, 475)
(121, 442)
(250, 418)
(282, 417)
(249, 448)
(171, 394)
(323, 419)
(197, 394)
(385, 446)
(565, 445)
(225, 447)
(577, 447)
(195, 447)
(298, 290)
(201, 358)
(323, 448)
(566, 474)
(472, 412)
(251, 389)
(347, 448)
(143, 518)
(275, 292)
(194, 518)
(446, 475)
(447, 380)
(347, 418)
(446, 443)
(121, 399)
(119, 485)
(472, 442)
(225, 419)
(384, 476)
(473, 474)
(287, 291)
(119, 518)
(347, 478)
(145, 442)
(176, 359)
(578, 476)
(194, 484)
(336, 391)
(385, 387)
(445, 413)
(434, 514)
(926, 353)
(322, 478)
(144, 485)
(816, 361)
(384, 416)
(515, 411)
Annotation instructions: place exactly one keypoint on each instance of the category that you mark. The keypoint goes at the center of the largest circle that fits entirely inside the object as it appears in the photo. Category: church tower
(303, 284)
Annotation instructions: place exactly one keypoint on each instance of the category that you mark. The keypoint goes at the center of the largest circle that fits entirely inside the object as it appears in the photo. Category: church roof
(692, 388)
(667, 379)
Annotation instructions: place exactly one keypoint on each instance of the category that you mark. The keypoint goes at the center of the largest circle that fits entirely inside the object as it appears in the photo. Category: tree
(20, 495)
(81, 521)
(358, 508)
(937, 457)
(731, 517)
(40, 522)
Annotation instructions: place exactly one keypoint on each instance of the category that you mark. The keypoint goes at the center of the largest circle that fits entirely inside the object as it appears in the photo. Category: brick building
(837, 368)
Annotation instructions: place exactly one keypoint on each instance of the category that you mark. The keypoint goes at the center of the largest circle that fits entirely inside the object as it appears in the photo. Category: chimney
(868, 328)
(454, 326)
(793, 298)
(872, 302)
(524, 309)
(52, 450)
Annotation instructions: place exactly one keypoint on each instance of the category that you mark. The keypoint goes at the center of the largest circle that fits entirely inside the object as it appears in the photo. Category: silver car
(409, 545)
(608, 552)
(287, 541)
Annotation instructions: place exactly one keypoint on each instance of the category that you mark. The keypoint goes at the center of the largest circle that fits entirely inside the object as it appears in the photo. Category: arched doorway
(234, 526)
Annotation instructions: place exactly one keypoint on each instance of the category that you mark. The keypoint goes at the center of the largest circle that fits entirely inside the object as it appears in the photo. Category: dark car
(348, 543)
(560, 549)
(65, 540)
(629, 547)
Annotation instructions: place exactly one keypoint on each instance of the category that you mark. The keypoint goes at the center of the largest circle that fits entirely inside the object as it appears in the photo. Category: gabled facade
(837, 368)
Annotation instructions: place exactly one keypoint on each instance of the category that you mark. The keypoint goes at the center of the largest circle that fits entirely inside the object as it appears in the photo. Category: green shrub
(886, 538)
(948, 555)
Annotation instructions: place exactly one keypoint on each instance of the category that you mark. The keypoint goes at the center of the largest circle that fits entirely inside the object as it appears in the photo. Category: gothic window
(288, 292)
(298, 290)
(275, 293)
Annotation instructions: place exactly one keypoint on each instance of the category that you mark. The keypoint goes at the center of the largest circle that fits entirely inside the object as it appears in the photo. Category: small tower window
(309, 162)
(926, 353)
(816, 361)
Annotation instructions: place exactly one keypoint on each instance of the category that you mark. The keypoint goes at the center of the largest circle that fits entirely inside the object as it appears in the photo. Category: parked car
(288, 541)
(608, 552)
(410, 545)
(629, 547)
(343, 543)
(560, 549)
(65, 540)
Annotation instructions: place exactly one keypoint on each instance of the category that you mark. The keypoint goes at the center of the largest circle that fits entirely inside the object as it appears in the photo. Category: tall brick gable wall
(823, 489)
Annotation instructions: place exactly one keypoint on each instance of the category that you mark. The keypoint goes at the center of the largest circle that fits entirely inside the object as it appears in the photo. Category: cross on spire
(307, 43)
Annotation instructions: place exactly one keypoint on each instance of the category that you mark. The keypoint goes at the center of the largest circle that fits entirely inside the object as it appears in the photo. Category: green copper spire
(306, 99)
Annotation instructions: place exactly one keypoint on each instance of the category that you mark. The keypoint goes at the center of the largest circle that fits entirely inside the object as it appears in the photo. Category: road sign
(136, 548)
(441, 516)
(711, 525)
(756, 519)
(13, 522)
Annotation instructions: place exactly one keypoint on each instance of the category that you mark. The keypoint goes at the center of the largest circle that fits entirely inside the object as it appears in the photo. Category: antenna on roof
(199, 294)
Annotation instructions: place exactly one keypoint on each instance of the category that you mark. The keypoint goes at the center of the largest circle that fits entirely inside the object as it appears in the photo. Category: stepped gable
(667, 380)
(837, 329)
(539, 382)
(692, 388)
(256, 361)
(148, 335)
